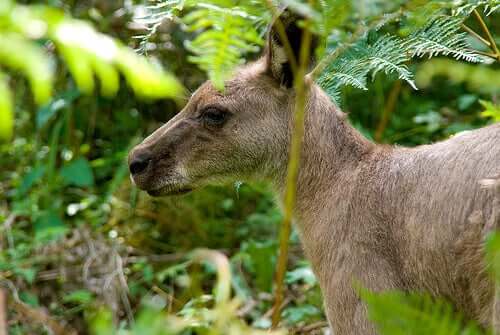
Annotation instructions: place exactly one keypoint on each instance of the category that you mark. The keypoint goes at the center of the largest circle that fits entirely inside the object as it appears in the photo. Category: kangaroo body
(412, 219)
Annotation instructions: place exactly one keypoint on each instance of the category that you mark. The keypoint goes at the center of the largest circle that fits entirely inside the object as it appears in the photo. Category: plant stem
(388, 109)
(3, 312)
(301, 88)
(483, 25)
(476, 35)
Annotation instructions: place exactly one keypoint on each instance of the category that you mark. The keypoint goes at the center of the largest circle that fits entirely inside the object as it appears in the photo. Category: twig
(301, 88)
(124, 288)
(388, 109)
(3, 312)
(476, 35)
(39, 316)
(483, 25)
(7, 226)
(307, 329)
(221, 263)
(487, 54)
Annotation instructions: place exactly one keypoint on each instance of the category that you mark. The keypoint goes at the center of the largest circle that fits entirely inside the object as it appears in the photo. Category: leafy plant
(87, 53)
(408, 313)
(226, 31)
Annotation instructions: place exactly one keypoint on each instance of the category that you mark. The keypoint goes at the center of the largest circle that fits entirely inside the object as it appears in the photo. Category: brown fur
(389, 217)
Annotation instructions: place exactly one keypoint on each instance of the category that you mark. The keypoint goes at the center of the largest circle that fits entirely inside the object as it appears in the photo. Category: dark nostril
(139, 164)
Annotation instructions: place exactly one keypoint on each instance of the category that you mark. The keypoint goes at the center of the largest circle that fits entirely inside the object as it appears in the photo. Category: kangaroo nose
(139, 162)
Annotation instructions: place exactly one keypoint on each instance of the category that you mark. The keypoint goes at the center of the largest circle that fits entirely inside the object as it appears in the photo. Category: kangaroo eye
(214, 117)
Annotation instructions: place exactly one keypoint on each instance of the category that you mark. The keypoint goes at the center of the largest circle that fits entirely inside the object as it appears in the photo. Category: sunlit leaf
(493, 254)
(101, 321)
(491, 110)
(6, 110)
(21, 55)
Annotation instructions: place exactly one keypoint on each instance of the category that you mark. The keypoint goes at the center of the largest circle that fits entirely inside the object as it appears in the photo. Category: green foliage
(390, 54)
(411, 314)
(78, 241)
(478, 78)
(226, 31)
(226, 39)
(465, 7)
(6, 117)
(491, 110)
(386, 54)
(86, 53)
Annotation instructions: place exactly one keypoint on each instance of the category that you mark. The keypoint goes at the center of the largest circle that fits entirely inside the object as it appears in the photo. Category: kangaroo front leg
(346, 312)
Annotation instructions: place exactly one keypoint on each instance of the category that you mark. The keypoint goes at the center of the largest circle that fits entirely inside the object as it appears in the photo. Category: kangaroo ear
(278, 64)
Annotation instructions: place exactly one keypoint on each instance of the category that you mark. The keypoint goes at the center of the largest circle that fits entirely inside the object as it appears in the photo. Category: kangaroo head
(241, 132)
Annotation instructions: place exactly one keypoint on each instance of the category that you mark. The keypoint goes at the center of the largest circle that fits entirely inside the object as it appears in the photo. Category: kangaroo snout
(139, 160)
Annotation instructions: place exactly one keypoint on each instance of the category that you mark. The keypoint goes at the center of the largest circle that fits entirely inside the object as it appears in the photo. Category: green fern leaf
(398, 313)
(387, 54)
(465, 7)
(442, 36)
(227, 35)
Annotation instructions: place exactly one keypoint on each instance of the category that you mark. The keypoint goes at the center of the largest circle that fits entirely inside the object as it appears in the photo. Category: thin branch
(388, 109)
(301, 88)
(476, 35)
(39, 316)
(487, 54)
(483, 25)
(3, 312)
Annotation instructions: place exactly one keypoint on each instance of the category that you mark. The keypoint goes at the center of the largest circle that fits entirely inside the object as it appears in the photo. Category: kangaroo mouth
(169, 190)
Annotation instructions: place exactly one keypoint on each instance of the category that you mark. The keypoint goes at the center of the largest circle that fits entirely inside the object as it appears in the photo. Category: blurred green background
(77, 238)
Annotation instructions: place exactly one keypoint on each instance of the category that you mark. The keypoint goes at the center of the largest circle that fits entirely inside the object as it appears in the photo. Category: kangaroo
(388, 217)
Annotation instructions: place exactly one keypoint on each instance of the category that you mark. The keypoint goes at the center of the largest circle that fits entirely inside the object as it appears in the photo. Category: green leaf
(29, 298)
(79, 297)
(20, 54)
(493, 254)
(400, 313)
(301, 313)
(262, 259)
(86, 52)
(29, 274)
(491, 110)
(100, 321)
(304, 274)
(46, 112)
(78, 173)
(30, 179)
(228, 33)
(49, 226)
(6, 110)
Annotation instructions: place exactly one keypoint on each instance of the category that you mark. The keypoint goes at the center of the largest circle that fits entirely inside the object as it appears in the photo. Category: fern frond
(388, 54)
(466, 7)
(225, 39)
(224, 31)
(442, 36)
(155, 15)
(398, 313)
